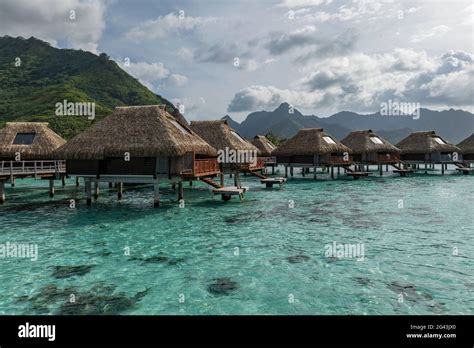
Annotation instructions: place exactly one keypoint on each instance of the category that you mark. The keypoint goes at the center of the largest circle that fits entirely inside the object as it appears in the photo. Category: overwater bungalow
(313, 148)
(138, 144)
(428, 148)
(266, 148)
(369, 148)
(236, 154)
(467, 147)
(26, 150)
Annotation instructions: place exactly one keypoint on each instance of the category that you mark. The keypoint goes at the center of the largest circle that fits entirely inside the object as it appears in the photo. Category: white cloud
(178, 80)
(185, 54)
(190, 105)
(360, 82)
(160, 27)
(53, 22)
(269, 97)
(422, 35)
(281, 42)
(146, 73)
(300, 3)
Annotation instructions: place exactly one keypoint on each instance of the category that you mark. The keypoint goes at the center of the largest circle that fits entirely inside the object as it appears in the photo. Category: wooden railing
(13, 168)
(205, 166)
(388, 158)
(269, 159)
(259, 164)
(337, 160)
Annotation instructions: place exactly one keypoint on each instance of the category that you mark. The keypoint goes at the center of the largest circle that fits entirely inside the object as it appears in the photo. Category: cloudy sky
(220, 57)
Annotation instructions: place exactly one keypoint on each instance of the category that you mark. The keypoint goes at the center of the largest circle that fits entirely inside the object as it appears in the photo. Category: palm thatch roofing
(143, 131)
(33, 140)
(264, 145)
(219, 134)
(366, 141)
(311, 141)
(467, 145)
(425, 142)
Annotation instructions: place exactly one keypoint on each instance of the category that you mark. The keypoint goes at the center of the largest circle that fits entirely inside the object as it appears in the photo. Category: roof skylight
(181, 128)
(329, 140)
(376, 140)
(237, 136)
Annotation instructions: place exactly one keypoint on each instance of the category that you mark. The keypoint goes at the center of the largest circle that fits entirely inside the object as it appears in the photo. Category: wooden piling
(286, 172)
(332, 172)
(314, 173)
(2, 191)
(96, 189)
(156, 189)
(119, 190)
(63, 181)
(111, 185)
(51, 188)
(77, 181)
(88, 191)
(13, 182)
(181, 191)
(222, 179)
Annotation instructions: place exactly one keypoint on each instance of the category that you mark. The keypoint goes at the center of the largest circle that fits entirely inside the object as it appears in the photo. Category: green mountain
(452, 124)
(35, 76)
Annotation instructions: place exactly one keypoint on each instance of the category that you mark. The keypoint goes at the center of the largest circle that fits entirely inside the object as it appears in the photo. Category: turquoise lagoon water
(186, 261)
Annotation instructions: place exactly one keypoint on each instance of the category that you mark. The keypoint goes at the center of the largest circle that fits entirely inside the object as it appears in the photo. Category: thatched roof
(366, 141)
(143, 131)
(310, 141)
(34, 140)
(467, 145)
(219, 135)
(425, 142)
(264, 145)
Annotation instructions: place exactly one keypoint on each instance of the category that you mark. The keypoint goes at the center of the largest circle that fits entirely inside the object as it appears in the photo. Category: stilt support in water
(2, 191)
(119, 190)
(181, 191)
(88, 191)
(96, 189)
(156, 189)
(51, 188)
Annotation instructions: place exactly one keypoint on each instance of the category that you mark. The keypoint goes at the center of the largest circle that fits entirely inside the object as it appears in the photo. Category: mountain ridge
(454, 124)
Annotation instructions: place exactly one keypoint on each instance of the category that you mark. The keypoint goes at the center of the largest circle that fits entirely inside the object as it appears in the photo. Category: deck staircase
(459, 165)
(211, 182)
(258, 175)
(348, 169)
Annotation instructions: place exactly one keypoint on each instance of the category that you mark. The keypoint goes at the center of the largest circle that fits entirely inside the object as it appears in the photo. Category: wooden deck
(10, 170)
(357, 175)
(269, 182)
(465, 171)
(228, 191)
(404, 172)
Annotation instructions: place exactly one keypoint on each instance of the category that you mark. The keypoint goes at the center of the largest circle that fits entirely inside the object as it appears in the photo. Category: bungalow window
(237, 136)
(376, 140)
(24, 138)
(329, 140)
(439, 140)
(181, 128)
